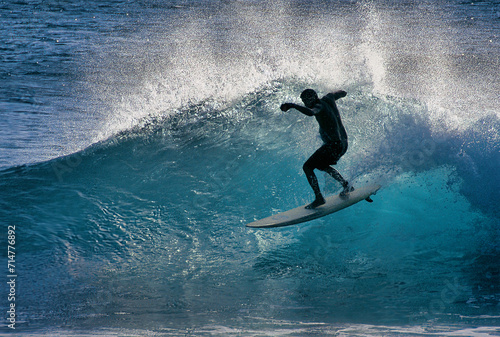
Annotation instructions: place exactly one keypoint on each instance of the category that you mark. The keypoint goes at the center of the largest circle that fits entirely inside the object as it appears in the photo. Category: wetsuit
(332, 133)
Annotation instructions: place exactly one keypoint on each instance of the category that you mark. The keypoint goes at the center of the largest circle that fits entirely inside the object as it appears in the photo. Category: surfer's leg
(313, 181)
(337, 176)
(332, 153)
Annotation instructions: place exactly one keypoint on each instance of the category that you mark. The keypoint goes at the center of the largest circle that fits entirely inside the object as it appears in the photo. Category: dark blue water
(139, 137)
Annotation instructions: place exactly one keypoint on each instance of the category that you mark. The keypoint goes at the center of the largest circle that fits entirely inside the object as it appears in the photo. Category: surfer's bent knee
(307, 167)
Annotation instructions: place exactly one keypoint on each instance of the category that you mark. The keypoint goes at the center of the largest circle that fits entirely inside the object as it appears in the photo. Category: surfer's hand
(286, 106)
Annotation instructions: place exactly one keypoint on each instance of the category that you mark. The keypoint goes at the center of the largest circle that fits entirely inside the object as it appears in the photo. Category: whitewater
(139, 137)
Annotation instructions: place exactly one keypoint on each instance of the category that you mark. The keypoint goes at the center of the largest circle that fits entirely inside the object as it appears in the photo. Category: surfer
(332, 133)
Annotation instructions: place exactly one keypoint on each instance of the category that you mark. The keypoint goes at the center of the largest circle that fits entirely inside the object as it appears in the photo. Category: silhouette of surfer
(332, 133)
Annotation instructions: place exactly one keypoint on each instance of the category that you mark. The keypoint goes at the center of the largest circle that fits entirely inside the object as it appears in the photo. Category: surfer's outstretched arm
(339, 94)
(303, 109)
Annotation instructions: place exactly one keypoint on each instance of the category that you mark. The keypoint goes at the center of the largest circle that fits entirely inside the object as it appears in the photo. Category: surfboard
(301, 214)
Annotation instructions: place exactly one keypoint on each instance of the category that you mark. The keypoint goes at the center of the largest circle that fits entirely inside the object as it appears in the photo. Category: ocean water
(139, 137)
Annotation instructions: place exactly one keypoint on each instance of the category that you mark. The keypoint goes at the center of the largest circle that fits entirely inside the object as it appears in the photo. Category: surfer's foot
(347, 188)
(318, 202)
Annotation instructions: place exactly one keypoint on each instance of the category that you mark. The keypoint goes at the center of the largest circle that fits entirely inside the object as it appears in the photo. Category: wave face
(144, 226)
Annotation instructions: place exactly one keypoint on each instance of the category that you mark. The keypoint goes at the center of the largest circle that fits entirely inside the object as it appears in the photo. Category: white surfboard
(301, 214)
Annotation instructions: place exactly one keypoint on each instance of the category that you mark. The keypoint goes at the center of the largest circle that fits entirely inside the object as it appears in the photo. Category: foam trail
(221, 56)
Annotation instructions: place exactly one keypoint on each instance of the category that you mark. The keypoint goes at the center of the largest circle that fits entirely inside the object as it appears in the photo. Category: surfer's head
(309, 97)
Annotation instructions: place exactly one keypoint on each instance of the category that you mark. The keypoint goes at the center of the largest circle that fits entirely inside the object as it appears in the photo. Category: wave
(162, 206)
(389, 137)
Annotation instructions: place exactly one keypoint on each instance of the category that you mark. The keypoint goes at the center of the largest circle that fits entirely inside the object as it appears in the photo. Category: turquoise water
(151, 134)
